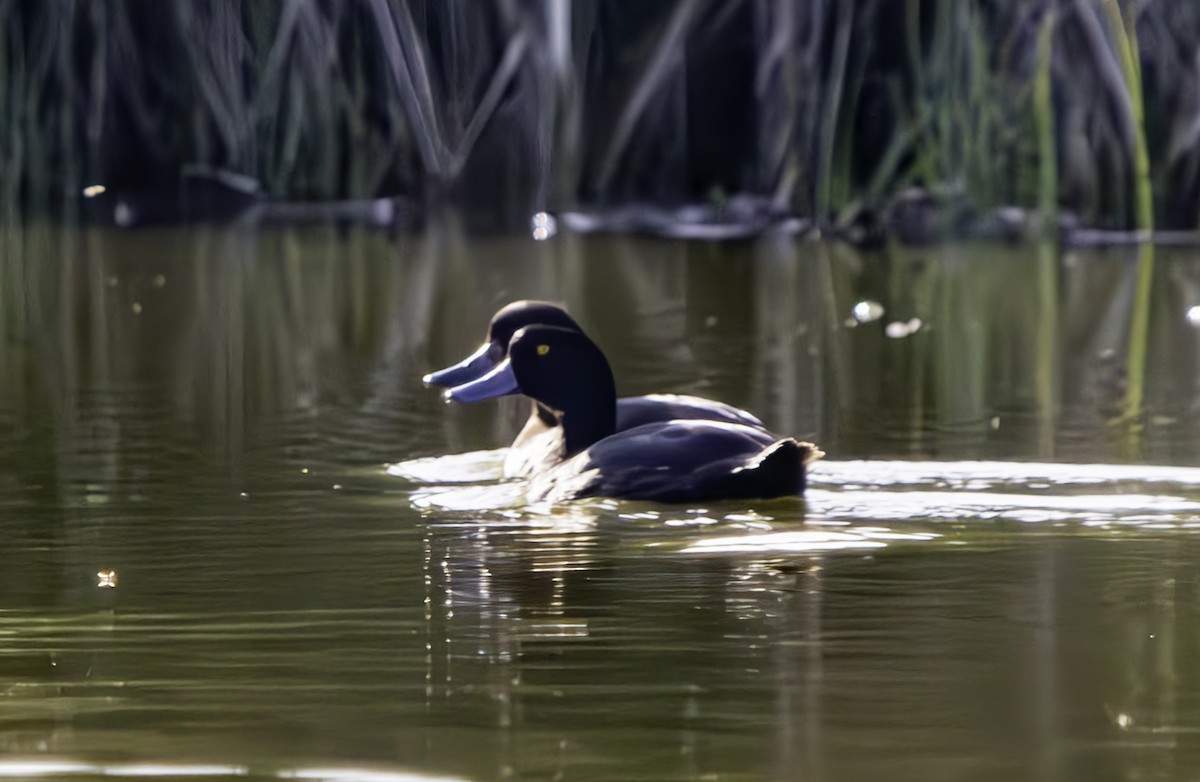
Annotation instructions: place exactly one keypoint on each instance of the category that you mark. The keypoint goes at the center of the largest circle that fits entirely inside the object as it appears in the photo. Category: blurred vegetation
(512, 106)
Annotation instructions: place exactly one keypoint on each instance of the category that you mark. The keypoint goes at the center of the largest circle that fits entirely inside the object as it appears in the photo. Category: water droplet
(1193, 315)
(867, 311)
(159, 280)
(710, 321)
(107, 579)
(244, 495)
(137, 308)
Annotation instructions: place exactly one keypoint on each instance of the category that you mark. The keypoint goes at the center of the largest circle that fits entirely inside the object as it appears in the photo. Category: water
(232, 552)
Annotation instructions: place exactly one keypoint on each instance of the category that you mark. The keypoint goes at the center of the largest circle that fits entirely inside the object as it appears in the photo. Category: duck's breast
(537, 448)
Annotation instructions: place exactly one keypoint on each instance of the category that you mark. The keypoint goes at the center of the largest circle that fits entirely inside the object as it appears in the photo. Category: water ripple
(867, 492)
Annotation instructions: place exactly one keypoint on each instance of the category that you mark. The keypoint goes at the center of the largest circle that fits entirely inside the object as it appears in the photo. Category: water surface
(229, 555)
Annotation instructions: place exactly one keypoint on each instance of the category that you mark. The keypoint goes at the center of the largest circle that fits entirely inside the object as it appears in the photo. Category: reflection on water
(166, 771)
(470, 467)
(302, 584)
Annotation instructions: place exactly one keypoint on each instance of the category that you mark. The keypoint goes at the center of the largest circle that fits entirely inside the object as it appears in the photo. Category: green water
(992, 578)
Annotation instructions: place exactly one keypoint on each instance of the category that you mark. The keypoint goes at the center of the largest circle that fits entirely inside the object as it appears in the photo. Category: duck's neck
(590, 420)
(543, 414)
(585, 427)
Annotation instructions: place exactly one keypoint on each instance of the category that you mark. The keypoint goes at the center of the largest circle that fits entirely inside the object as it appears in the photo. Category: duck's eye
(543, 349)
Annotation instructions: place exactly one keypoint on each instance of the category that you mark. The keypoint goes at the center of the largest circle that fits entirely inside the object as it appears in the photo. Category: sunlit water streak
(981, 475)
(470, 467)
(857, 496)
(800, 542)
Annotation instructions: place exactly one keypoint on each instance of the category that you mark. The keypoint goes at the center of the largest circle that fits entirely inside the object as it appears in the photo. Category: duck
(673, 461)
(539, 443)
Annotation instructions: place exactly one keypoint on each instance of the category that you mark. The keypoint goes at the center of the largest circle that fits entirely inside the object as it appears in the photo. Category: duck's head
(561, 369)
(505, 323)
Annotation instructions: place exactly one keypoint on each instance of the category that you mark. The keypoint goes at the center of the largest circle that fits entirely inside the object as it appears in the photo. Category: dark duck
(539, 444)
(676, 461)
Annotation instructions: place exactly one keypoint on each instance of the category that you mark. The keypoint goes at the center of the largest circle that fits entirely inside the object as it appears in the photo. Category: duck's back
(681, 461)
(539, 446)
(635, 411)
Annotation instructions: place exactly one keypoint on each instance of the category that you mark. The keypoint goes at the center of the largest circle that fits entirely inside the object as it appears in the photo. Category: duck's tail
(778, 470)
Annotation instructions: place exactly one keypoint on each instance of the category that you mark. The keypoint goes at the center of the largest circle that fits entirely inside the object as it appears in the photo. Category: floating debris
(544, 226)
(901, 329)
(867, 311)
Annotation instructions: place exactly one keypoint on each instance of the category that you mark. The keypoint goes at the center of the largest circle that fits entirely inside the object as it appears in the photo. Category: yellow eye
(543, 349)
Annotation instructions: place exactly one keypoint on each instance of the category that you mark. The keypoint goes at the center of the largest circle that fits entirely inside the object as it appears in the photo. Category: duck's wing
(635, 411)
(682, 461)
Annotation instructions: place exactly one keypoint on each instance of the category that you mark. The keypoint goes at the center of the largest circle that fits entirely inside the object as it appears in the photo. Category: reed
(1043, 108)
(1125, 35)
(512, 106)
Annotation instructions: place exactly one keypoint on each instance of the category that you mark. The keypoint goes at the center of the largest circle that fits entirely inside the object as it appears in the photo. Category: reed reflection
(245, 327)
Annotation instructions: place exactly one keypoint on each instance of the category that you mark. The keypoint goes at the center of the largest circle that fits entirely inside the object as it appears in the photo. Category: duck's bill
(499, 382)
(470, 368)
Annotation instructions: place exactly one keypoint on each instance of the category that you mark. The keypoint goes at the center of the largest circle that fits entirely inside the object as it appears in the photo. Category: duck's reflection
(495, 587)
(531, 616)
(499, 595)
(512, 605)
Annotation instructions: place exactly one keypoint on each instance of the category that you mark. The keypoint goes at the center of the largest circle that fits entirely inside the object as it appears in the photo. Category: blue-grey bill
(499, 382)
(470, 368)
